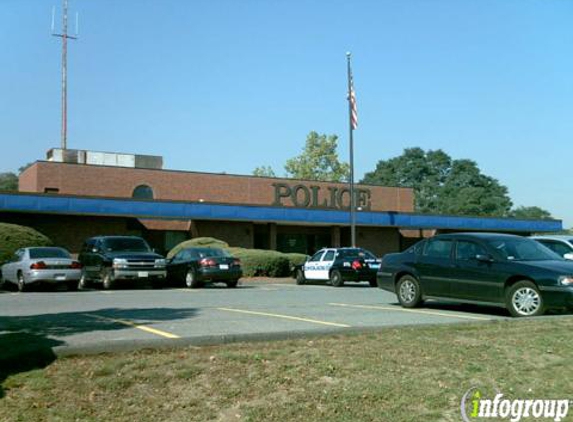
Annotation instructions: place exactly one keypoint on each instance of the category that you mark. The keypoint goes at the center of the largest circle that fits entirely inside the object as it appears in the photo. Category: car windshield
(125, 244)
(37, 253)
(356, 253)
(521, 249)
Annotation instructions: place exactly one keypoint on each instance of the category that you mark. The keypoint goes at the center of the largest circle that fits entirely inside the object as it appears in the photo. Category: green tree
(441, 184)
(536, 213)
(8, 182)
(264, 171)
(318, 160)
(25, 167)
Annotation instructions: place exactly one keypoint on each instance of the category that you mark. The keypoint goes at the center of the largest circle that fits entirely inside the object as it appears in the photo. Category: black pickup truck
(112, 259)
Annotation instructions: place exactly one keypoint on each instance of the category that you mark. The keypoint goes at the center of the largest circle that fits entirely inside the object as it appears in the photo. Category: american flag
(353, 110)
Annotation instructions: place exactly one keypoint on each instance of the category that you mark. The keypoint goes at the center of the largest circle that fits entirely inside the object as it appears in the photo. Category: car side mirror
(568, 256)
(484, 258)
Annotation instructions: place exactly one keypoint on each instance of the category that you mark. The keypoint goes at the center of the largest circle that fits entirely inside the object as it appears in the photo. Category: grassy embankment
(402, 374)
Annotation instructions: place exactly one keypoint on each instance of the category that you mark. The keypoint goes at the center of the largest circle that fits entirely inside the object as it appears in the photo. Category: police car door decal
(311, 266)
(323, 271)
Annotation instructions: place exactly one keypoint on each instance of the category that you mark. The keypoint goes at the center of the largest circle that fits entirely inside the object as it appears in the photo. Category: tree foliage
(264, 171)
(536, 213)
(8, 182)
(441, 184)
(318, 160)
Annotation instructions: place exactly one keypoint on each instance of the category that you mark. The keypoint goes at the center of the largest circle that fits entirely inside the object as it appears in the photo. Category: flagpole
(351, 141)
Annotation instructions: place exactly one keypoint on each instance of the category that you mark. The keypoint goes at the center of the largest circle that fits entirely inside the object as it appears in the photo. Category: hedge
(14, 237)
(255, 262)
(262, 263)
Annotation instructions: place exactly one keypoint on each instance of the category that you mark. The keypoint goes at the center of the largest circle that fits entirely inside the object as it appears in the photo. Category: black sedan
(194, 266)
(482, 268)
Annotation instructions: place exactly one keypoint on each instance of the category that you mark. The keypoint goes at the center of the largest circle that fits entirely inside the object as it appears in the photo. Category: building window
(142, 192)
(51, 190)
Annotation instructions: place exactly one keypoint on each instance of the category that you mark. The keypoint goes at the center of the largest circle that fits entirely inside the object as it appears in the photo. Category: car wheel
(191, 280)
(336, 279)
(373, 283)
(84, 282)
(22, 287)
(523, 299)
(231, 284)
(300, 280)
(108, 280)
(409, 292)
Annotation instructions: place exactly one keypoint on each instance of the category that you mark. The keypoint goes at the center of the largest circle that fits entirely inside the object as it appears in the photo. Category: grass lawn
(402, 374)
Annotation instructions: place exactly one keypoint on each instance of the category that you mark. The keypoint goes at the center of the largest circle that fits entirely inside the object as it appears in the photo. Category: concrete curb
(215, 340)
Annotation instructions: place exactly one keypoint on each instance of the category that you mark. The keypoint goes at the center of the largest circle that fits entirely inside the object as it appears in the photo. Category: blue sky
(228, 85)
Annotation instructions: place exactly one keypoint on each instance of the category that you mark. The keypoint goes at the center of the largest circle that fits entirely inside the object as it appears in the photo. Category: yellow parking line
(314, 321)
(134, 325)
(415, 311)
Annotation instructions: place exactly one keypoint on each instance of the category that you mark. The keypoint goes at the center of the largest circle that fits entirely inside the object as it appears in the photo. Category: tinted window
(36, 253)
(417, 248)
(438, 248)
(210, 252)
(356, 253)
(521, 249)
(468, 250)
(316, 256)
(125, 244)
(328, 256)
(557, 247)
(181, 255)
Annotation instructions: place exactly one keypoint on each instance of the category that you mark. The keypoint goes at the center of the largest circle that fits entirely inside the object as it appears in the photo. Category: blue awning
(76, 205)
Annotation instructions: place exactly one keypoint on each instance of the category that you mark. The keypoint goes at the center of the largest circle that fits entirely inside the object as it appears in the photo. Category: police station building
(73, 195)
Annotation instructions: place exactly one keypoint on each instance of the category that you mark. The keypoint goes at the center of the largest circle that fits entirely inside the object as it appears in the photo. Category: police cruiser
(338, 265)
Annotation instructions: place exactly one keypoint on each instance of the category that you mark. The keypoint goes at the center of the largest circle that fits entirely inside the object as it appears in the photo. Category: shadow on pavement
(27, 342)
(474, 309)
(347, 284)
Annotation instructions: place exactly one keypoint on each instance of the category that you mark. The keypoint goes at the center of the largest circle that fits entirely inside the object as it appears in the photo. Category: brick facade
(103, 181)
(78, 179)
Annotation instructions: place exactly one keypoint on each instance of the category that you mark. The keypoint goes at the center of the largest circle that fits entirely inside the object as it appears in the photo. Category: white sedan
(30, 266)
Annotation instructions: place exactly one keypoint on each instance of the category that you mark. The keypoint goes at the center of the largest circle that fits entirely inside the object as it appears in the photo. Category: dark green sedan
(481, 268)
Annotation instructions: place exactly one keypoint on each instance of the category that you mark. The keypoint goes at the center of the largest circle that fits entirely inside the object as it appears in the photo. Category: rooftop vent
(96, 158)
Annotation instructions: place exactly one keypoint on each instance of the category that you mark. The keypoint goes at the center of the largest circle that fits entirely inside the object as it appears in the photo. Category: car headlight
(160, 262)
(566, 280)
(119, 263)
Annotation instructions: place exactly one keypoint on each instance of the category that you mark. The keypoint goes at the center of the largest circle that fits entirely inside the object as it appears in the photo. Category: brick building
(77, 194)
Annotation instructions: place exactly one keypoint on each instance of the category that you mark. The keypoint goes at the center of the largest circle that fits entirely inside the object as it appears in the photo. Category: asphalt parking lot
(97, 320)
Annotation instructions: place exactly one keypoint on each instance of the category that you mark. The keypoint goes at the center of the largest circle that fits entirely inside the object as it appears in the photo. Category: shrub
(14, 237)
(262, 263)
(295, 259)
(199, 242)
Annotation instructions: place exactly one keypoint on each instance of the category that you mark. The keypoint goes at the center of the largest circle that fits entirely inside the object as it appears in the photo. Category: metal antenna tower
(64, 36)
